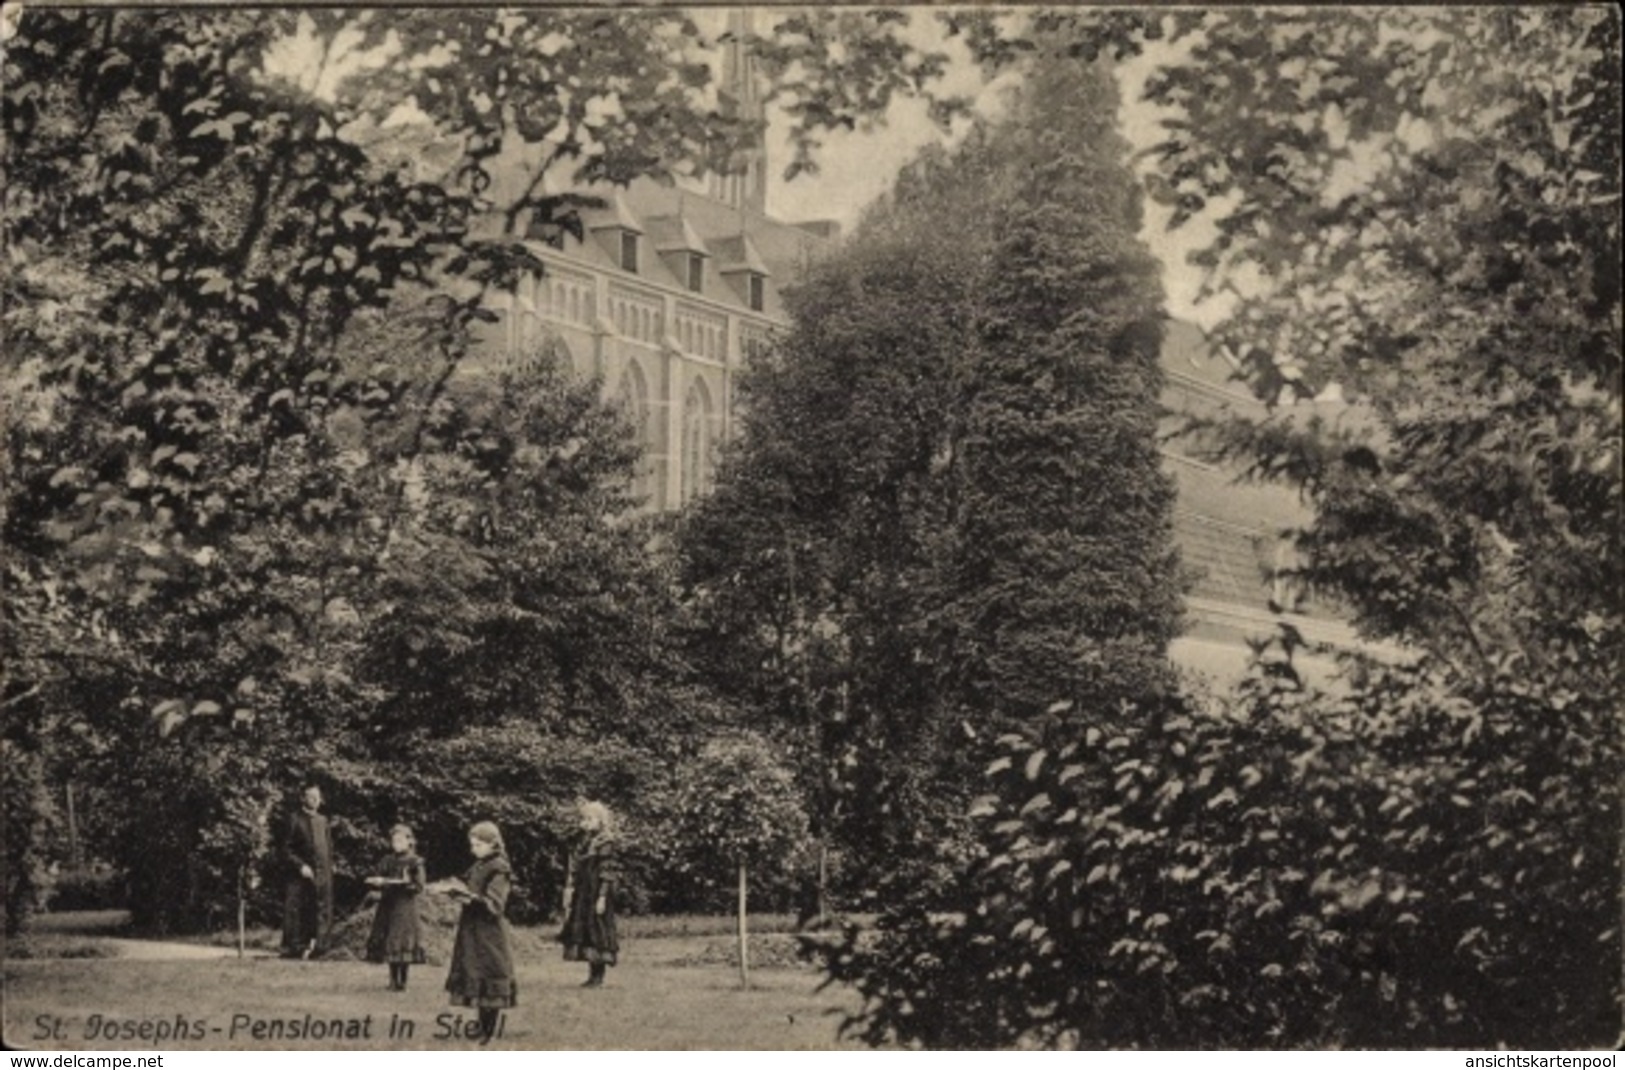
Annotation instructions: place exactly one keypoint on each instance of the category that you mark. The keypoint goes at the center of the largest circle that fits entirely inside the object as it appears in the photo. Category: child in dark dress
(397, 936)
(589, 895)
(482, 960)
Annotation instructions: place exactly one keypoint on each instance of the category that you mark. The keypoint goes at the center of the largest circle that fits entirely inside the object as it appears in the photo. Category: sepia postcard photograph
(811, 528)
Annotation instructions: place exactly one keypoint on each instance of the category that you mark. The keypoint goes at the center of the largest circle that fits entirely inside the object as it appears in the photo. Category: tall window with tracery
(633, 395)
(696, 441)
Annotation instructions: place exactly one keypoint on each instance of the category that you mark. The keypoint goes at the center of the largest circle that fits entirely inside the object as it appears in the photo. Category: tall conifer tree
(946, 519)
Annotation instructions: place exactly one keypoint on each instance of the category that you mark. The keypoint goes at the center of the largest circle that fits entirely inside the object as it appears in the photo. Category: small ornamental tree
(738, 811)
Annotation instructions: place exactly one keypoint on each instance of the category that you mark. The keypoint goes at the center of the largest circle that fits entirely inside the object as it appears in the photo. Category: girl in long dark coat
(397, 935)
(589, 896)
(482, 958)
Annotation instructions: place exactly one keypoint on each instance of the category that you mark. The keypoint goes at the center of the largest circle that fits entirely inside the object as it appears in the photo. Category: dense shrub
(1390, 866)
(88, 888)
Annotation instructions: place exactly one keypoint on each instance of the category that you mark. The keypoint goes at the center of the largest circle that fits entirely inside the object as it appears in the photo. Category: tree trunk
(744, 939)
(73, 832)
(823, 883)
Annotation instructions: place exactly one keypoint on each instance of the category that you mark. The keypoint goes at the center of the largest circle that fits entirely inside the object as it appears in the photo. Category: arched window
(526, 320)
(531, 329)
(633, 396)
(696, 441)
(544, 347)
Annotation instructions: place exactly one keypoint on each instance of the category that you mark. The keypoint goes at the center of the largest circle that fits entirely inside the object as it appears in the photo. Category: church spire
(744, 186)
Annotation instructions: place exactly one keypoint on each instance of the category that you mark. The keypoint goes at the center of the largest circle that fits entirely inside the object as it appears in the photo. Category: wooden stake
(744, 940)
(73, 831)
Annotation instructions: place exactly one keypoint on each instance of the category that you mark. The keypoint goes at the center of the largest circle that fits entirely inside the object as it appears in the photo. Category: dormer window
(681, 251)
(549, 233)
(618, 233)
(744, 269)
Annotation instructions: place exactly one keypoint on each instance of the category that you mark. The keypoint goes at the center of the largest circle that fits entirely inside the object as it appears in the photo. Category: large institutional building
(671, 290)
(666, 297)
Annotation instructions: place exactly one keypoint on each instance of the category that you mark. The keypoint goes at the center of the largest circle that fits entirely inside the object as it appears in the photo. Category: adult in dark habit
(307, 856)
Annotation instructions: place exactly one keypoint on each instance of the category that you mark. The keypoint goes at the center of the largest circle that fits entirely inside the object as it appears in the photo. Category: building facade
(1232, 533)
(665, 300)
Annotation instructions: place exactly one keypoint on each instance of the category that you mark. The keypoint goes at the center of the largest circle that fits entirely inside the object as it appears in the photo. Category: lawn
(651, 1001)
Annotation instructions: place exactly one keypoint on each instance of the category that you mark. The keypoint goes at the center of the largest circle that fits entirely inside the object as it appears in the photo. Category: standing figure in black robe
(307, 855)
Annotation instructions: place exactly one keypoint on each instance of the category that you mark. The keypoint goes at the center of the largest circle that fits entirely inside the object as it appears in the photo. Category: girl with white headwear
(589, 894)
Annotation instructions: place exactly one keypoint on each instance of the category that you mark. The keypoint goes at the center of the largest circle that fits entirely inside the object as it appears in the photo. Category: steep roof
(782, 251)
(615, 213)
(738, 253)
(674, 234)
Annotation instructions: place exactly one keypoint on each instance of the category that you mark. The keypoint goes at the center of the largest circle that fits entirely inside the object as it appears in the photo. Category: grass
(650, 1002)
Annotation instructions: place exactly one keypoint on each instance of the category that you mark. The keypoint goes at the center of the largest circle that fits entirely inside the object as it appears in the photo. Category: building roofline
(546, 253)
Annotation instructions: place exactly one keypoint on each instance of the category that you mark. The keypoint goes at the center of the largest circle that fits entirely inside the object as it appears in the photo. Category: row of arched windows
(701, 337)
(634, 319)
(558, 296)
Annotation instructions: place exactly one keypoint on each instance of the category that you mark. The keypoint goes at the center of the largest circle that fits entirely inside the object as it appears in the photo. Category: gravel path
(95, 931)
(163, 951)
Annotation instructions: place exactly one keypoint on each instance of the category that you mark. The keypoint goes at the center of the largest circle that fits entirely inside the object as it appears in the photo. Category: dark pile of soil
(438, 916)
(769, 951)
